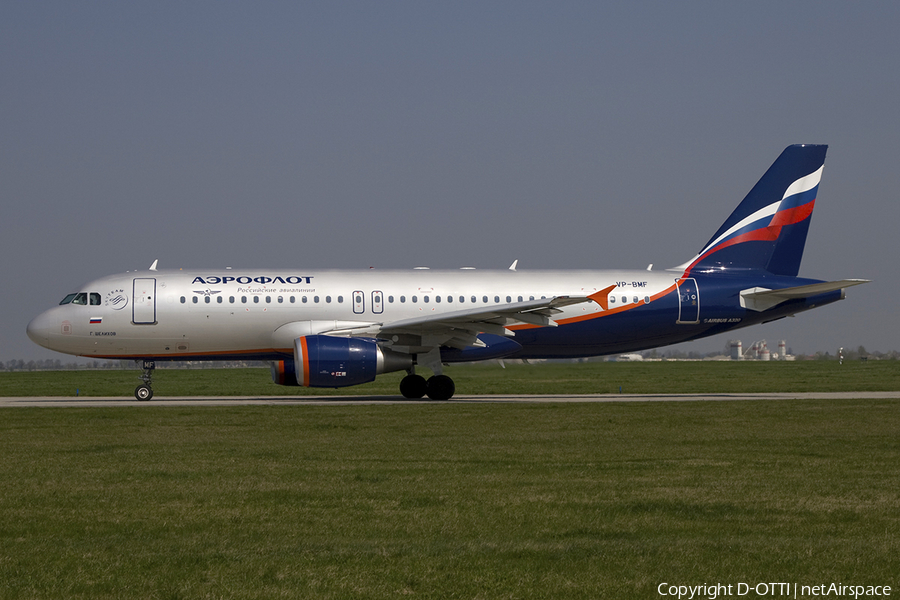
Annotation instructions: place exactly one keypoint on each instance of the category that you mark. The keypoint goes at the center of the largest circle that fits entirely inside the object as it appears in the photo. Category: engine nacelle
(284, 372)
(325, 361)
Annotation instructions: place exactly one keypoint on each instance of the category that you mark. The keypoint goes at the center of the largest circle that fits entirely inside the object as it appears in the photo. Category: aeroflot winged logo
(244, 279)
(116, 299)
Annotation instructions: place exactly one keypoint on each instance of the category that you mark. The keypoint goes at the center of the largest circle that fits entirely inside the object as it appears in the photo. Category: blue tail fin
(767, 231)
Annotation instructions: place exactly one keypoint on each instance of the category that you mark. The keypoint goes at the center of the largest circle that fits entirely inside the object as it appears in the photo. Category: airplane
(338, 328)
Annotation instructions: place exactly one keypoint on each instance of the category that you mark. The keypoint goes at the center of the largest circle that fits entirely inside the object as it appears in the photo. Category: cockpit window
(79, 298)
(68, 299)
(95, 299)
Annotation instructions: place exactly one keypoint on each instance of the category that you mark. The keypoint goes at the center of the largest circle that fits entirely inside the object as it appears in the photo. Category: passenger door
(144, 302)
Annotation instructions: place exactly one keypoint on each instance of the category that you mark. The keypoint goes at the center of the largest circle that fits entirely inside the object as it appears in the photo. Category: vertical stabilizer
(767, 231)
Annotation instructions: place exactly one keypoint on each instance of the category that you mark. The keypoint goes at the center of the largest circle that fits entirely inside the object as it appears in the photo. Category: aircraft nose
(39, 330)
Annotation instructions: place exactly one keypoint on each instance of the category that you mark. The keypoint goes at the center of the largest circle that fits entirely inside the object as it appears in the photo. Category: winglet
(602, 297)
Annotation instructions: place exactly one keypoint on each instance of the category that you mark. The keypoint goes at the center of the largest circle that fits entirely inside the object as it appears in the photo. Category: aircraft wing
(760, 299)
(459, 329)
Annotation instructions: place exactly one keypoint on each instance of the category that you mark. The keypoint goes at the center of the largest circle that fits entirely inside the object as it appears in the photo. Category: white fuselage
(180, 315)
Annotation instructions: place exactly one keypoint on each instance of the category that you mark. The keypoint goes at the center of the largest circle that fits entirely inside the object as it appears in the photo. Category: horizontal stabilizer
(760, 299)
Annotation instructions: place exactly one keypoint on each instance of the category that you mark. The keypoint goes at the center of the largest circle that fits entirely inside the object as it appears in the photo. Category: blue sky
(397, 134)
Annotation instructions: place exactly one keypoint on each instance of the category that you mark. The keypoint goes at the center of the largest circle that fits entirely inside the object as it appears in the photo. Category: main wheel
(440, 387)
(413, 386)
(143, 392)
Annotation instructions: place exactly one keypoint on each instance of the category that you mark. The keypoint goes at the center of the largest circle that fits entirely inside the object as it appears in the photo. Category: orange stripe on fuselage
(225, 354)
(605, 313)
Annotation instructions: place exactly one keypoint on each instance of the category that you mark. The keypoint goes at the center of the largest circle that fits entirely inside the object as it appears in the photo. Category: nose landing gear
(144, 391)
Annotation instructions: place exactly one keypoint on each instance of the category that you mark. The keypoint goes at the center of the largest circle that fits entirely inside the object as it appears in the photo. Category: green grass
(584, 378)
(446, 500)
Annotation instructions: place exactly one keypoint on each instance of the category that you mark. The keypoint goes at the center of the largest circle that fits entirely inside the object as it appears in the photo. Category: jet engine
(325, 361)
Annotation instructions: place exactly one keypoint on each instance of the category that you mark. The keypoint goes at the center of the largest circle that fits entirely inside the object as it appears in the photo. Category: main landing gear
(144, 391)
(437, 387)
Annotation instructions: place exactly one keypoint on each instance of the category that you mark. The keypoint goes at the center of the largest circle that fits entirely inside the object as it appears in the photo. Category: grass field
(446, 500)
(585, 378)
(443, 500)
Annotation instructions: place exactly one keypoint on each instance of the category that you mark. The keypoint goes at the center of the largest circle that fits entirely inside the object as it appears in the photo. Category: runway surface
(76, 402)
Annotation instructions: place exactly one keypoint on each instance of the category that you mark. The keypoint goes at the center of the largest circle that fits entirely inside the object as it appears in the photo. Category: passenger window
(268, 299)
(624, 299)
(612, 299)
(425, 299)
(390, 299)
(402, 299)
(219, 299)
(647, 299)
(292, 300)
(520, 298)
(207, 299)
(340, 299)
(497, 299)
(328, 299)
(304, 300)
(474, 300)
(280, 299)
(194, 299)
(243, 299)
(255, 299)
(437, 298)
(316, 299)
(635, 299)
(484, 299)
(231, 299)
(183, 299)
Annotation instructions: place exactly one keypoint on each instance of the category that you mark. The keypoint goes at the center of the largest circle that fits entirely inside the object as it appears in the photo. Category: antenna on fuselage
(512, 267)
(153, 266)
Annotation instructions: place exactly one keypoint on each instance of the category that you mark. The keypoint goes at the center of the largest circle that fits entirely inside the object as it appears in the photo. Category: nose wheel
(144, 391)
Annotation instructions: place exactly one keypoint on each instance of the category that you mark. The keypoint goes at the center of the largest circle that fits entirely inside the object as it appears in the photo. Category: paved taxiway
(369, 400)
